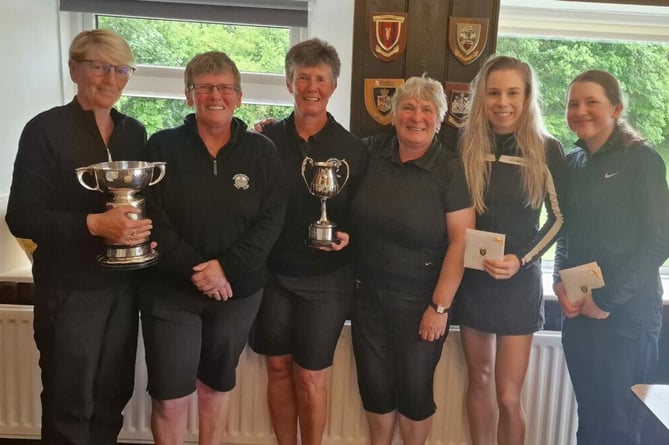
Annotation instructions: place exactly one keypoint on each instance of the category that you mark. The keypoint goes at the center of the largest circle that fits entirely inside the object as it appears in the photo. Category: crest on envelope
(459, 96)
(387, 35)
(467, 37)
(378, 93)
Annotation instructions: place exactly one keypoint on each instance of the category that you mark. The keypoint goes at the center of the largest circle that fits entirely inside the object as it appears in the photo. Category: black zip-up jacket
(290, 255)
(48, 205)
(230, 207)
(507, 210)
(618, 215)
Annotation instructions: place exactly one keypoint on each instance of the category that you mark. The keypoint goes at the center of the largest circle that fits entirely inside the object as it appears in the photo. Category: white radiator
(548, 398)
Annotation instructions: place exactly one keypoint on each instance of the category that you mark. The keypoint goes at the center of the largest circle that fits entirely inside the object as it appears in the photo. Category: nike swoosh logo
(610, 175)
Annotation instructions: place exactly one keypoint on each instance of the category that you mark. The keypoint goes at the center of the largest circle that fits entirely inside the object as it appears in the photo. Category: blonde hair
(106, 41)
(477, 139)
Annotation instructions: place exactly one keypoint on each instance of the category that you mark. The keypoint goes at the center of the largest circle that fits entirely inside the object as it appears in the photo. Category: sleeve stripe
(554, 229)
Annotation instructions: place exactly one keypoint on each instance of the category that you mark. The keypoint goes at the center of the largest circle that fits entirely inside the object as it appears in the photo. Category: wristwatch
(439, 309)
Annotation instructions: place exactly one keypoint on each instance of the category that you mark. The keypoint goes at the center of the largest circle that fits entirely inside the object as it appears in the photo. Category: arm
(555, 184)
(433, 325)
(570, 309)
(251, 250)
(38, 208)
(35, 181)
(176, 255)
(640, 264)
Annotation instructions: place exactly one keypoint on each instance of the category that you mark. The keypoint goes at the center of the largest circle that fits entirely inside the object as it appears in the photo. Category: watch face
(439, 309)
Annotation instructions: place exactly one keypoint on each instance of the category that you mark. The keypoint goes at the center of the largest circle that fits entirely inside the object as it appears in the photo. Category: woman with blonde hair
(85, 315)
(512, 166)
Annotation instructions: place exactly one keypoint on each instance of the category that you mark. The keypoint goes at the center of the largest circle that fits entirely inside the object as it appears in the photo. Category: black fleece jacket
(48, 205)
(618, 215)
(229, 208)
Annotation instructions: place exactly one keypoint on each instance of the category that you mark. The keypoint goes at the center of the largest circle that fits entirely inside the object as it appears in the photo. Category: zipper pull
(109, 158)
(215, 167)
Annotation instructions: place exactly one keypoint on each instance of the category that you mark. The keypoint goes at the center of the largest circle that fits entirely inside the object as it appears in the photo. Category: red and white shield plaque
(387, 35)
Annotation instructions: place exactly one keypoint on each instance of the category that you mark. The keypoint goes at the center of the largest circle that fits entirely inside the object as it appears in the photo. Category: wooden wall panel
(426, 44)
(427, 50)
(367, 66)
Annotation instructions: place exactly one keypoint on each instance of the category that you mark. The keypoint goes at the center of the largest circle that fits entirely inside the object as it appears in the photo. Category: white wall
(31, 75)
(31, 79)
(332, 20)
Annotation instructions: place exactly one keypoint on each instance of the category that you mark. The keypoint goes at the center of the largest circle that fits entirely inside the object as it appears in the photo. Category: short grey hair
(312, 52)
(422, 88)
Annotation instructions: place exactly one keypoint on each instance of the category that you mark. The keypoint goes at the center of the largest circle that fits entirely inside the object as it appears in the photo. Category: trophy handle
(306, 161)
(338, 163)
(160, 166)
(80, 176)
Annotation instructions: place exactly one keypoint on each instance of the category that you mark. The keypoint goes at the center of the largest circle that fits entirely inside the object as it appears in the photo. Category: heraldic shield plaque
(387, 35)
(459, 103)
(467, 37)
(378, 94)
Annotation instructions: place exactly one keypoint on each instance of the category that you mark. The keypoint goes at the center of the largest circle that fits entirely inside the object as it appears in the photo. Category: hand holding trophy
(123, 180)
(323, 185)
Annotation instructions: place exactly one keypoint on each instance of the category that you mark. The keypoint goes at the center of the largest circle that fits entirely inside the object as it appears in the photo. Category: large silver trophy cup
(323, 185)
(123, 180)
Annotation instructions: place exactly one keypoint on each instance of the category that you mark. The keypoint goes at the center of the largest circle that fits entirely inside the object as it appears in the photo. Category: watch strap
(439, 309)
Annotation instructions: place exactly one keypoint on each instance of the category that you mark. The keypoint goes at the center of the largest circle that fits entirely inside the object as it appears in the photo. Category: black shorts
(395, 366)
(303, 316)
(189, 337)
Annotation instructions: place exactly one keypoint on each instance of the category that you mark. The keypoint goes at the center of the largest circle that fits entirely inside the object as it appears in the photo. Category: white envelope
(580, 280)
(480, 244)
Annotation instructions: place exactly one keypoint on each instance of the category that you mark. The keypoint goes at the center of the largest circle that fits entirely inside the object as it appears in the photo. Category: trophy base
(128, 257)
(322, 243)
(322, 235)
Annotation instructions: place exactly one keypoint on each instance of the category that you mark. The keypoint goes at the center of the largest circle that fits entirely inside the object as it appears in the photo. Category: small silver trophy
(123, 180)
(323, 185)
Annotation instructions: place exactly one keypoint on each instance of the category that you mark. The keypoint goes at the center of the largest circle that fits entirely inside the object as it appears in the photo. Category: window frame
(601, 21)
(167, 82)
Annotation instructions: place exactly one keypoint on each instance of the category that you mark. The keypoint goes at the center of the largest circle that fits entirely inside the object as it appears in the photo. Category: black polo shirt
(399, 215)
(291, 255)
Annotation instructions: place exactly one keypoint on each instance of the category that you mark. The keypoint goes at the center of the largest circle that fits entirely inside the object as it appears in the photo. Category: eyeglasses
(101, 69)
(206, 88)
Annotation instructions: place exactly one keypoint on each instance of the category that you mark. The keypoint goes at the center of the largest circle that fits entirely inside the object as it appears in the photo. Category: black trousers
(605, 359)
(87, 342)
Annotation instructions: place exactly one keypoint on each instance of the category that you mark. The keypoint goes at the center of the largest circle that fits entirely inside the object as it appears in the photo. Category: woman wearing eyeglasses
(85, 316)
(216, 215)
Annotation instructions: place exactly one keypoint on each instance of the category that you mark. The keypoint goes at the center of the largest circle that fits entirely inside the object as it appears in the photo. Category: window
(561, 39)
(155, 94)
(641, 67)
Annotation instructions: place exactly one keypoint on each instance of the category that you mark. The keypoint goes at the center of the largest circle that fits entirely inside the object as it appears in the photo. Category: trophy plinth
(323, 185)
(123, 180)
